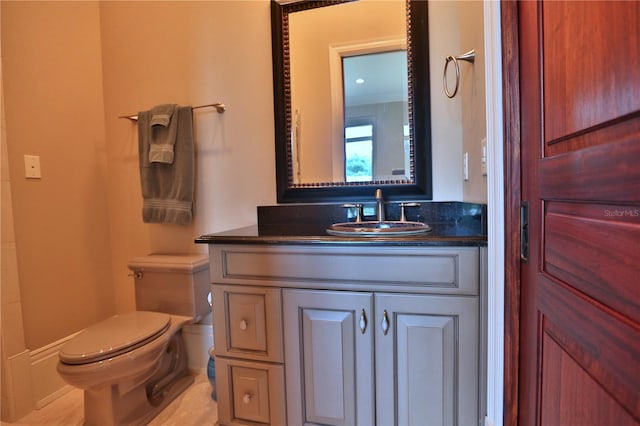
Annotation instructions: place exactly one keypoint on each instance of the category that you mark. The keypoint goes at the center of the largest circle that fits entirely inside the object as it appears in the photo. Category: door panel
(605, 172)
(604, 345)
(328, 371)
(575, 235)
(427, 362)
(247, 321)
(591, 64)
(251, 399)
(329, 357)
(561, 372)
(426, 346)
(579, 360)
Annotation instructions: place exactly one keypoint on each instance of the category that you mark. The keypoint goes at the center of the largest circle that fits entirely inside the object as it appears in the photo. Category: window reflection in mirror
(358, 153)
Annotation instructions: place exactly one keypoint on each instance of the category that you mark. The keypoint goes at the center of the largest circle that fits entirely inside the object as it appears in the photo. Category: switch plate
(465, 166)
(484, 156)
(32, 167)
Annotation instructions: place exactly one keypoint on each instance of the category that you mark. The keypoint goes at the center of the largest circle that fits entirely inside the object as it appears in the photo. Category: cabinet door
(426, 360)
(329, 357)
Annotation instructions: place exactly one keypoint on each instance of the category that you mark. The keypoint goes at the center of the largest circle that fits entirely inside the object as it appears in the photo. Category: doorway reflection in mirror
(376, 93)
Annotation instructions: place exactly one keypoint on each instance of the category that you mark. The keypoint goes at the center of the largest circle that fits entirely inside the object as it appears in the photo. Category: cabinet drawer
(250, 392)
(444, 270)
(247, 322)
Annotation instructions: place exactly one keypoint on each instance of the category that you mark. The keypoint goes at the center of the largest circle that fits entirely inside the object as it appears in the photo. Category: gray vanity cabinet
(348, 335)
(418, 352)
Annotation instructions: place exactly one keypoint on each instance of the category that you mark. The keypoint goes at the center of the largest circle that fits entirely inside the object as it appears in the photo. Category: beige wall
(458, 124)
(71, 68)
(15, 391)
(188, 53)
(472, 98)
(54, 109)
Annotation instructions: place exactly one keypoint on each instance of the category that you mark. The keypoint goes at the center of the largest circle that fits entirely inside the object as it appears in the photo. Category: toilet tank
(173, 284)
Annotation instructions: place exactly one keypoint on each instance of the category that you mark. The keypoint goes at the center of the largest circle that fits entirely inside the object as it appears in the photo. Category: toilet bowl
(132, 365)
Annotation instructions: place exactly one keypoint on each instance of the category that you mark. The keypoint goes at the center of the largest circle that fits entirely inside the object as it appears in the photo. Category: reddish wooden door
(579, 360)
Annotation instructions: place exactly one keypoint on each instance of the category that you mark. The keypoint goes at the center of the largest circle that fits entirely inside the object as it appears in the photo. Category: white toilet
(132, 365)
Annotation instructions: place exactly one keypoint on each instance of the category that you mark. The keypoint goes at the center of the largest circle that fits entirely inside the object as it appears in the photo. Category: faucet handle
(403, 217)
(358, 208)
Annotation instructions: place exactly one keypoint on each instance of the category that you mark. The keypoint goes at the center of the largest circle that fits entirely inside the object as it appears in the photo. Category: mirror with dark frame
(357, 163)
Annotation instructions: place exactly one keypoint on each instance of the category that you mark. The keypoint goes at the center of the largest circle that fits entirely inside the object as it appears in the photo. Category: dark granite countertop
(440, 235)
(452, 224)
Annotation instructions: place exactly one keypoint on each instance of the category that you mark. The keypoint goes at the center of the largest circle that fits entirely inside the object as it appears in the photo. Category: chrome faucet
(379, 206)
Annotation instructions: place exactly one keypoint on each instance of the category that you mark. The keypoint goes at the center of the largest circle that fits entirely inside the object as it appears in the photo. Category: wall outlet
(32, 167)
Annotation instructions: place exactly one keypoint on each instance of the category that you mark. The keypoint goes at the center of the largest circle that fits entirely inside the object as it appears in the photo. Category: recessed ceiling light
(359, 81)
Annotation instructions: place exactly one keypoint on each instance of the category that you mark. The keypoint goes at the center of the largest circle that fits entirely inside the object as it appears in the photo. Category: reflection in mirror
(376, 117)
(350, 114)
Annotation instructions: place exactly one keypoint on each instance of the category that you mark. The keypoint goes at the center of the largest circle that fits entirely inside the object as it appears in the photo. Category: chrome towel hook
(470, 56)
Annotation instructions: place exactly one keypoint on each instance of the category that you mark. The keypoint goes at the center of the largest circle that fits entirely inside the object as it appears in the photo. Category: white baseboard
(16, 400)
(46, 384)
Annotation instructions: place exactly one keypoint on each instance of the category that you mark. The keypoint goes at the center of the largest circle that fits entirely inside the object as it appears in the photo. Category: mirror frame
(419, 113)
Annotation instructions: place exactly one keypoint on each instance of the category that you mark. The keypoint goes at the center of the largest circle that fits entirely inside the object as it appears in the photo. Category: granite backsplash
(471, 216)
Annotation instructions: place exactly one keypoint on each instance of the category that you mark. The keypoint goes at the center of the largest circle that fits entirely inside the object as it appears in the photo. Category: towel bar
(218, 106)
(470, 56)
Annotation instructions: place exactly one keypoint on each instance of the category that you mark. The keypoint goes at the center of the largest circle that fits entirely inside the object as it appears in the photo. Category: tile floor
(193, 407)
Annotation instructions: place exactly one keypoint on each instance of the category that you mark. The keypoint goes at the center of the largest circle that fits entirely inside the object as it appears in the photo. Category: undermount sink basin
(375, 228)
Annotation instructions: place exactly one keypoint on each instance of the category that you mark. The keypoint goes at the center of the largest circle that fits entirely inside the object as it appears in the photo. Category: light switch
(484, 157)
(32, 167)
(465, 166)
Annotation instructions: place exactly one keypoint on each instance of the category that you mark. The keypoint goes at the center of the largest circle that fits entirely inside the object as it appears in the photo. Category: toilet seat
(114, 336)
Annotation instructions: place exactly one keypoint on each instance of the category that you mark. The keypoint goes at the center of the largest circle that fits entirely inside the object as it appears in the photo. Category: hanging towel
(163, 134)
(161, 114)
(167, 189)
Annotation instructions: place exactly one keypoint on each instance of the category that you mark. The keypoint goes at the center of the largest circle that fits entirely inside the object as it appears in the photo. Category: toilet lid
(114, 336)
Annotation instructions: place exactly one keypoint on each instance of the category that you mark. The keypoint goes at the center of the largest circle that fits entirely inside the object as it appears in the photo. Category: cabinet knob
(246, 398)
(243, 325)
